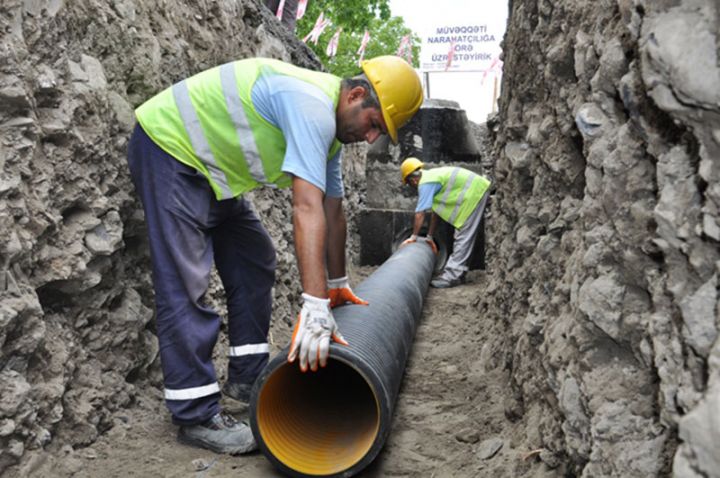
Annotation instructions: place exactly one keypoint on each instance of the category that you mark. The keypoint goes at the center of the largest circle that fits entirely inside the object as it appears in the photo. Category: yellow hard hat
(398, 88)
(409, 166)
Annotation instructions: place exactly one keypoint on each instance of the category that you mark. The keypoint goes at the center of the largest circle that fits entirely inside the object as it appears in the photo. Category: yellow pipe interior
(318, 423)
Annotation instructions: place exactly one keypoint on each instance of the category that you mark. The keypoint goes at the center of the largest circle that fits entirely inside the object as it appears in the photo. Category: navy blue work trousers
(188, 229)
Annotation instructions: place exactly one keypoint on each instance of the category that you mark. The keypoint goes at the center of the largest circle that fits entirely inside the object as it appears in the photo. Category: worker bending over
(457, 196)
(199, 146)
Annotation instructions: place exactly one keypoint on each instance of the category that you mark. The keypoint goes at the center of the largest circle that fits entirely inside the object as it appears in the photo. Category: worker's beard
(347, 126)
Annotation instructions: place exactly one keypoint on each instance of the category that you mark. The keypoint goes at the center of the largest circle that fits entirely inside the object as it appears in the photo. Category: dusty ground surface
(451, 405)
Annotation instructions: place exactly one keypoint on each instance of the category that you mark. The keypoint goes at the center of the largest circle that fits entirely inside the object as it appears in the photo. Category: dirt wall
(604, 252)
(76, 335)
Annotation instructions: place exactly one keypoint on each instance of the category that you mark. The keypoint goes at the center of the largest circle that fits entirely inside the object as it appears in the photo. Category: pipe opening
(318, 423)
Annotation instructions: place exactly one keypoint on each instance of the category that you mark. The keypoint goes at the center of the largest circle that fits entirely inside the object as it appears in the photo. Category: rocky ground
(450, 420)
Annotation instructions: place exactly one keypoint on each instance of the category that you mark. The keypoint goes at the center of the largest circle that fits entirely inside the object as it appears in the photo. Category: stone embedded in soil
(467, 435)
(488, 448)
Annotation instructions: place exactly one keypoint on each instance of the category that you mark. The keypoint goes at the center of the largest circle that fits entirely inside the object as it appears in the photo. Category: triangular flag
(333, 44)
(363, 44)
(302, 6)
(279, 13)
(320, 24)
(450, 55)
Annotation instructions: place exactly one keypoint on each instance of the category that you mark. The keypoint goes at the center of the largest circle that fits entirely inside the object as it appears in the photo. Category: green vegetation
(354, 17)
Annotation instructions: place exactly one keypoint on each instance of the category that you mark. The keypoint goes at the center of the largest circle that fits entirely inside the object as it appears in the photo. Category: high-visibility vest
(209, 123)
(461, 191)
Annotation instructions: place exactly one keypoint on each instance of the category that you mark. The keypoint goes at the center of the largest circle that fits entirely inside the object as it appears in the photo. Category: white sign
(474, 47)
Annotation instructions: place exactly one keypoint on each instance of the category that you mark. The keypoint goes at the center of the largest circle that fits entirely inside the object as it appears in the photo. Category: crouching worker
(199, 146)
(455, 195)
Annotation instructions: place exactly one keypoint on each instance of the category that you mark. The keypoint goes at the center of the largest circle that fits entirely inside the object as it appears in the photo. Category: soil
(450, 410)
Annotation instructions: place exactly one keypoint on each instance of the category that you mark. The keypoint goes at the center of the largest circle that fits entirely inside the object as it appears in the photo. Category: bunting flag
(302, 6)
(404, 46)
(333, 44)
(405, 49)
(320, 25)
(363, 44)
(495, 68)
(279, 12)
(450, 55)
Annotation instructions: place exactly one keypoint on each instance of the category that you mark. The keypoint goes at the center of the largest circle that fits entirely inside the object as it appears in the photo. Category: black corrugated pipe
(334, 422)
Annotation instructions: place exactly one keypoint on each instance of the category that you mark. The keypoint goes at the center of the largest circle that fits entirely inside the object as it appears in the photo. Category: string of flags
(405, 49)
(279, 13)
(332, 47)
(321, 24)
(450, 55)
(495, 68)
(363, 44)
(302, 6)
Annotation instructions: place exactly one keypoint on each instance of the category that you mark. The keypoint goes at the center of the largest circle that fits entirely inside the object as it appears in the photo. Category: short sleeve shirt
(306, 117)
(426, 193)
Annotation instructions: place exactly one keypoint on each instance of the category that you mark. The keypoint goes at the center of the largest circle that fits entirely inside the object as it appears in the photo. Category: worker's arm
(339, 289)
(431, 230)
(433, 224)
(315, 325)
(336, 236)
(310, 232)
(417, 226)
(418, 223)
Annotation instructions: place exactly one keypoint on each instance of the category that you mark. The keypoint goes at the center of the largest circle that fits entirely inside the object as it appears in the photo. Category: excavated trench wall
(76, 304)
(604, 232)
(604, 255)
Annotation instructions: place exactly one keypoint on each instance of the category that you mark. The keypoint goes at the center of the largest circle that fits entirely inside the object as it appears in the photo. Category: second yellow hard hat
(409, 166)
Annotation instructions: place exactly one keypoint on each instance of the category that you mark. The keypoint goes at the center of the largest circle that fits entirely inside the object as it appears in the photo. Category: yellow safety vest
(461, 191)
(209, 122)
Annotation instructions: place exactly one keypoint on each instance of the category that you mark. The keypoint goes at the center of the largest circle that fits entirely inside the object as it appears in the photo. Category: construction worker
(198, 147)
(455, 195)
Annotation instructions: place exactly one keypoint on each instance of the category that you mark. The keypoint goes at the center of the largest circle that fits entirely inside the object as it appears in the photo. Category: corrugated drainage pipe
(334, 422)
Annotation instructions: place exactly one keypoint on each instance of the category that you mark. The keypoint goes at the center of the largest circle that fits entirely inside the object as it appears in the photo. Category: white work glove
(428, 239)
(409, 240)
(340, 292)
(314, 329)
(431, 243)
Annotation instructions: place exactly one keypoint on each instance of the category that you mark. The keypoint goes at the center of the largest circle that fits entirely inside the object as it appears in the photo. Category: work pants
(464, 240)
(188, 229)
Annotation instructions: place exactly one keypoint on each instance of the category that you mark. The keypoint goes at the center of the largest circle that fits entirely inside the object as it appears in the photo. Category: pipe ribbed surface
(334, 422)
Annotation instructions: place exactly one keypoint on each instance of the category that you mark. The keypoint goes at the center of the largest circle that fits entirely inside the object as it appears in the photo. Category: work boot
(221, 434)
(442, 283)
(238, 391)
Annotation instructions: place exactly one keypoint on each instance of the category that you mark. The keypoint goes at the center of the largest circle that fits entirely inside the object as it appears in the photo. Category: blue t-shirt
(306, 116)
(426, 193)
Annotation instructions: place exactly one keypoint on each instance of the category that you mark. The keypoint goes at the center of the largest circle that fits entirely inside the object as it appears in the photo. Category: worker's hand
(313, 330)
(340, 293)
(409, 240)
(431, 243)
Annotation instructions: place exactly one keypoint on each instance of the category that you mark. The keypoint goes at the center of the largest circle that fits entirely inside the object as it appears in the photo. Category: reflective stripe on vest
(467, 184)
(197, 138)
(209, 123)
(450, 186)
(240, 122)
(242, 127)
(455, 201)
